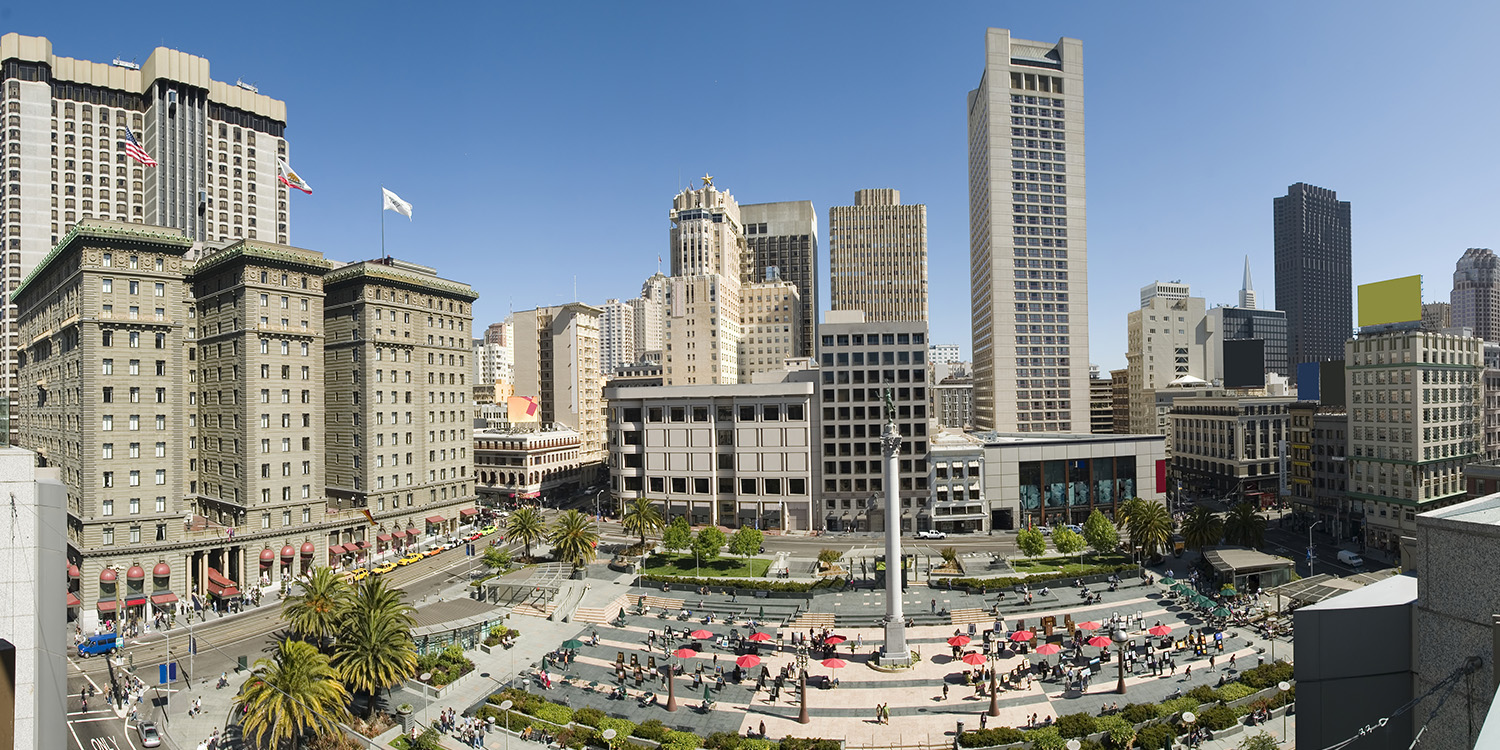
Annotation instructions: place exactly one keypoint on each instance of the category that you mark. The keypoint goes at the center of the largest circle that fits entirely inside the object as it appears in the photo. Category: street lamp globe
(1074, 744)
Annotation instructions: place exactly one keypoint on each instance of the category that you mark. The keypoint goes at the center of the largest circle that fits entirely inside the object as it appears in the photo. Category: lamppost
(505, 706)
(802, 717)
(671, 686)
(424, 677)
(598, 519)
(1284, 686)
(1120, 638)
(1311, 556)
(1188, 718)
(989, 657)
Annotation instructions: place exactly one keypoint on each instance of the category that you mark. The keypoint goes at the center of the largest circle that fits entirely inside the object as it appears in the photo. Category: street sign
(167, 673)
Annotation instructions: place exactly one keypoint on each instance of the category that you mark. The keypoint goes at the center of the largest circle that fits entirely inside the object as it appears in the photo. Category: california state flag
(290, 178)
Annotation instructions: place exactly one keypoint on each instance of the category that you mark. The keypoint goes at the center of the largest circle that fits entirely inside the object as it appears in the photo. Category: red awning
(435, 519)
(362, 544)
(218, 585)
(160, 599)
(73, 599)
(214, 576)
(469, 512)
(134, 601)
(107, 605)
(229, 592)
(383, 538)
(337, 549)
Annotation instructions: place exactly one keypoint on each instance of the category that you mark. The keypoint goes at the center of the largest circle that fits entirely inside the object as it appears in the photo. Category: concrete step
(601, 616)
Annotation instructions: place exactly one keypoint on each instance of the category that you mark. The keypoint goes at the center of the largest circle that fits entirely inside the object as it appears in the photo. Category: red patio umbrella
(700, 634)
(1100, 641)
(1159, 630)
(959, 640)
(748, 660)
(1022, 635)
(1047, 649)
(760, 636)
(973, 658)
(835, 663)
(1090, 625)
(834, 640)
(687, 653)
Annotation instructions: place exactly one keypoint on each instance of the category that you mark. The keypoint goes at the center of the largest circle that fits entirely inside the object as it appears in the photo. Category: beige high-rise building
(616, 336)
(224, 423)
(702, 334)
(1028, 245)
(1165, 342)
(216, 145)
(557, 362)
(398, 399)
(771, 326)
(784, 236)
(878, 257)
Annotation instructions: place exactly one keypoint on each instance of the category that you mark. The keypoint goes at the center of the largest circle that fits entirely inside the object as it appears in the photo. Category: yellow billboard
(1390, 301)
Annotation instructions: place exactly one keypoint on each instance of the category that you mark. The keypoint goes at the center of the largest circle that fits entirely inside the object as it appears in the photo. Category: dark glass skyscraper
(1313, 272)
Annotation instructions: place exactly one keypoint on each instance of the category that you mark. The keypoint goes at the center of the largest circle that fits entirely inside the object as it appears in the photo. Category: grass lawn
(1068, 564)
(724, 567)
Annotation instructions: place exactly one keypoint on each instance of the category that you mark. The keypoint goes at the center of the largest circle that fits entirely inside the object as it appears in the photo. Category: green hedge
(650, 729)
(808, 743)
(1266, 675)
(1006, 582)
(1156, 737)
(991, 737)
(1077, 725)
(1235, 691)
(674, 740)
(758, 584)
(1219, 717)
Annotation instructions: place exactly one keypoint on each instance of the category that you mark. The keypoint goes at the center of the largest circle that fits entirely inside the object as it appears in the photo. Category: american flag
(133, 147)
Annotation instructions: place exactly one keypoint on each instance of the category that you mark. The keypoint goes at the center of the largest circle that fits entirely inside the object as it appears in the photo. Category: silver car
(149, 736)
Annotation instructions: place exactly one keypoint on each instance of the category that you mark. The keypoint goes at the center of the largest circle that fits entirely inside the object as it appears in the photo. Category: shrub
(588, 716)
(836, 583)
(757, 744)
(829, 556)
(650, 729)
(1235, 691)
(1156, 737)
(991, 737)
(1119, 733)
(1077, 725)
(623, 727)
(551, 712)
(578, 737)
(674, 740)
(1262, 741)
(1136, 713)
(1266, 675)
(1178, 705)
(723, 741)
(1218, 717)
(1005, 582)
(1045, 738)
(1204, 694)
(807, 743)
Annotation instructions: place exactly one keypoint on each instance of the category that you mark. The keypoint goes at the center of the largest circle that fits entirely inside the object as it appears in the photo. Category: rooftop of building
(1325, 586)
(1240, 560)
(1039, 438)
(1483, 511)
(399, 273)
(528, 432)
(1393, 591)
(124, 234)
(268, 252)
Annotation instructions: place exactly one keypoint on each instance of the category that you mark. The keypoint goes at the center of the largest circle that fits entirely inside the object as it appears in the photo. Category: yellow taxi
(409, 559)
(486, 531)
(359, 574)
(385, 567)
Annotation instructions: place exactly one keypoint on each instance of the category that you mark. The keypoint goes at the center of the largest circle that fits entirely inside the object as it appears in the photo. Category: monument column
(896, 652)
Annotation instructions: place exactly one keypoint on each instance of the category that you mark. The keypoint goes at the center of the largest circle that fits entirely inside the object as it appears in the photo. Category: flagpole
(382, 222)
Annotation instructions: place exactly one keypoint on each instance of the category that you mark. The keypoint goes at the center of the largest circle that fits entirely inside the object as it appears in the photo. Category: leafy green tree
(574, 538)
(375, 651)
(949, 555)
(1262, 741)
(641, 518)
(746, 541)
(527, 527)
(1245, 525)
(678, 536)
(314, 611)
(710, 539)
(1067, 541)
(497, 558)
(292, 695)
(1031, 542)
(1201, 528)
(1100, 533)
(1150, 527)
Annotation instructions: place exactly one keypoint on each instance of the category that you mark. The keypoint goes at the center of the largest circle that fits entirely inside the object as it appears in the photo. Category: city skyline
(505, 170)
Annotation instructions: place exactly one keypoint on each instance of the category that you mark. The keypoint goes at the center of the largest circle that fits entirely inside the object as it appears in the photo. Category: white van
(1352, 559)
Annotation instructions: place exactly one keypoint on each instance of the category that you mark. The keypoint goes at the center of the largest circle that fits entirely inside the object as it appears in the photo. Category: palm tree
(314, 611)
(1245, 525)
(292, 695)
(1150, 527)
(375, 650)
(1202, 528)
(573, 538)
(1125, 513)
(642, 518)
(526, 526)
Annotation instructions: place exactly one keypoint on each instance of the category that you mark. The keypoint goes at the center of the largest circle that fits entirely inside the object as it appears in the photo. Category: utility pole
(1311, 553)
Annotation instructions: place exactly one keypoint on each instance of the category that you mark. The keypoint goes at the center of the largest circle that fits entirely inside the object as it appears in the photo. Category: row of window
(768, 486)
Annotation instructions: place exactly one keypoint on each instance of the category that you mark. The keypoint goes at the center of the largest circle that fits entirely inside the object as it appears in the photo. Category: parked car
(384, 567)
(486, 531)
(148, 734)
(104, 643)
(451, 543)
(434, 551)
(1351, 558)
(473, 536)
(358, 574)
(931, 534)
(409, 559)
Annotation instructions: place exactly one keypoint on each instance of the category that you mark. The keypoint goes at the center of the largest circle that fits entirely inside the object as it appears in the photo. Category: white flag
(393, 202)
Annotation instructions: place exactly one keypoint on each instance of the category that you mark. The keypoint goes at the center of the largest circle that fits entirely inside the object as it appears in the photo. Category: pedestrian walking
(945, 691)
(1211, 666)
(934, 606)
(983, 720)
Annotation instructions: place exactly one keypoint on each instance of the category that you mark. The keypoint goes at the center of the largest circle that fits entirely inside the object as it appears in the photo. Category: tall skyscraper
(650, 317)
(702, 336)
(878, 257)
(616, 336)
(1027, 237)
(557, 362)
(1165, 342)
(1476, 293)
(1247, 292)
(216, 145)
(784, 236)
(1313, 273)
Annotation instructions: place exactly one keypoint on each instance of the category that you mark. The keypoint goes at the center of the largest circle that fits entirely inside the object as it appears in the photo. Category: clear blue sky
(543, 141)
